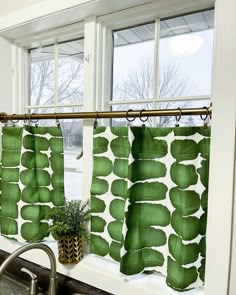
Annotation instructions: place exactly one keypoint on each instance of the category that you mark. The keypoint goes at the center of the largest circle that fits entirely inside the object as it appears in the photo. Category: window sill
(101, 273)
(104, 274)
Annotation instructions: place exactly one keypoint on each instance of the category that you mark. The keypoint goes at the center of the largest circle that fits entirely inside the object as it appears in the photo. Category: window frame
(56, 55)
(156, 99)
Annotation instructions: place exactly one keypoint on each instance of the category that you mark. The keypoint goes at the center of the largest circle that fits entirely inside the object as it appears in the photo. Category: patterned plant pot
(70, 249)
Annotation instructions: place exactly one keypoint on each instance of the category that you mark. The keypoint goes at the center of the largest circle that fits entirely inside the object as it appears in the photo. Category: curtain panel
(32, 180)
(149, 200)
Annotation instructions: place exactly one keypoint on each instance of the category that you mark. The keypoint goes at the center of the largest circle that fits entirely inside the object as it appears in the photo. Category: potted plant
(68, 225)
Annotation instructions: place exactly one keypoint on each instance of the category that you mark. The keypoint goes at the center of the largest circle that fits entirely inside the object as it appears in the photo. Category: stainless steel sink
(10, 286)
(25, 248)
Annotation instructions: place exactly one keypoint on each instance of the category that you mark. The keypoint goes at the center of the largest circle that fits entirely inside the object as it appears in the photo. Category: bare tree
(173, 83)
(42, 78)
(140, 85)
(70, 82)
(69, 88)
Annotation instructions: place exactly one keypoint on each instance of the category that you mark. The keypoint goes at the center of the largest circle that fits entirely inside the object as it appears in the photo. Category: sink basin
(10, 286)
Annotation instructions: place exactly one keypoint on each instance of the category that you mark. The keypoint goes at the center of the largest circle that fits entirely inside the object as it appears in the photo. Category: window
(164, 64)
(57, 85)
(161, 9)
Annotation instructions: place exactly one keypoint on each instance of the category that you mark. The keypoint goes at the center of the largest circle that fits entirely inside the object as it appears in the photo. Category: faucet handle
(34, 281)
(30, 273)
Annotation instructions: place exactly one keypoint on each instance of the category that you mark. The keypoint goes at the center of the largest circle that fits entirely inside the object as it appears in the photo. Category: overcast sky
(197, 66)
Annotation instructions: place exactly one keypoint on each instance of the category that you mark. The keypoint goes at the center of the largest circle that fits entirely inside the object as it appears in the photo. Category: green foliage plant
(70, 220)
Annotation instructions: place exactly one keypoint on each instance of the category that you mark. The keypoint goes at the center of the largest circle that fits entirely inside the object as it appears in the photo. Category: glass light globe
(185, 45)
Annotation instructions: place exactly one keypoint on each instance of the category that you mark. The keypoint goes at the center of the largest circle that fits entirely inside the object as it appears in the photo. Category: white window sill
(101, 273)
(106, 275)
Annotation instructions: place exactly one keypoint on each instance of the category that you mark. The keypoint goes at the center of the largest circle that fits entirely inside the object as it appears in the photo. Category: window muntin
(150, 69)
(57, 85)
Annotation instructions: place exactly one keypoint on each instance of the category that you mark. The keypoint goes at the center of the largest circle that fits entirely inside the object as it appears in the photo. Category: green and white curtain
(149, 200)
(32, 180)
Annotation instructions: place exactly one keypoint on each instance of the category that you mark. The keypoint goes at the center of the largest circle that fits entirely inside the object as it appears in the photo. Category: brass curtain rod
(4, 117)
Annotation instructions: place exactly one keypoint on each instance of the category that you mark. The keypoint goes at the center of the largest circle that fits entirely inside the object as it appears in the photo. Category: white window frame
(135, 17)
(118, 21)
(55, 105)
(220, 272)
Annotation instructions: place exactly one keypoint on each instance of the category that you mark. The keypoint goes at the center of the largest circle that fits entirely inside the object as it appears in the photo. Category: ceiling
(30, 18)
(10, 6)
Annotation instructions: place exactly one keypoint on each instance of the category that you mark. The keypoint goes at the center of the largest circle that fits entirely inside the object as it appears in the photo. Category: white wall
(14, 6)
(6, 101)
(8, 7)
(232, 286)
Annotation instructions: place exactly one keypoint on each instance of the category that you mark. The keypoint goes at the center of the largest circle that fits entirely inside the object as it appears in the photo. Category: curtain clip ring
(128, 118)
(204, 118)
(141, 119)
(25, 119)
(13, 122)
(33, 121)
(57, 121)
(95, 123)
(178, 117)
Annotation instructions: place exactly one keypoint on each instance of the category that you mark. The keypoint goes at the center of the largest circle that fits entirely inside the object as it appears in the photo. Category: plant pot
(70, 249)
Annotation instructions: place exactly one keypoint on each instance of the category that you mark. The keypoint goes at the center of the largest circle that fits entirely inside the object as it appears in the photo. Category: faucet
(45, 248)
(34, 282)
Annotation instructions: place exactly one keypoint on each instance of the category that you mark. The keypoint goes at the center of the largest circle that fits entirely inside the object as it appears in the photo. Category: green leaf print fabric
(149, 200)
(32, 180)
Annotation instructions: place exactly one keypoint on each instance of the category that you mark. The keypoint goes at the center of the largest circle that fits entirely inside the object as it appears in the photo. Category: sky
(196, 67)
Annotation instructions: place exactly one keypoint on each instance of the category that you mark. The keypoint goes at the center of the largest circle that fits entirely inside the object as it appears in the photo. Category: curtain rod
(4, 117)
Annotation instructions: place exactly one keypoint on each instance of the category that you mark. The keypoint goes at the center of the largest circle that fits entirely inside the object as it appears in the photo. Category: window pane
(73, 140)
(73, 143)
(42, 75)
(67, 74)
(72, 128)
(73, 185)
(72, 134)
(71, 72)
(185, 55)
(72, 131)
(133, 62)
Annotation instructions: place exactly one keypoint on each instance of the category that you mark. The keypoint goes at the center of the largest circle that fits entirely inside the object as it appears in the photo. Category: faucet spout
(27, 247)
